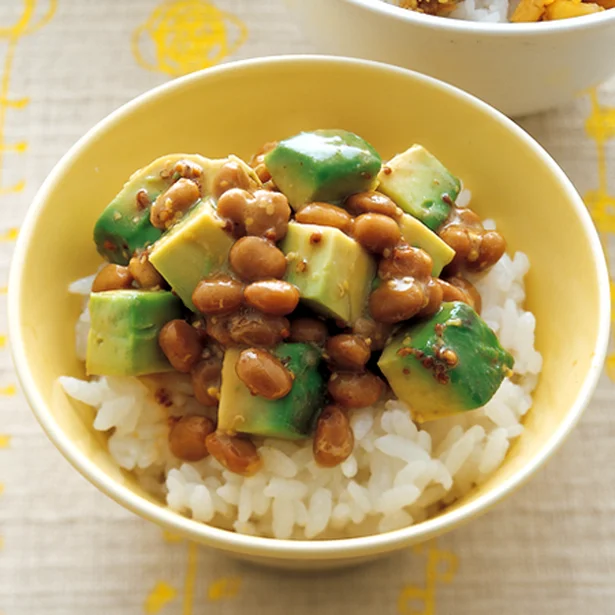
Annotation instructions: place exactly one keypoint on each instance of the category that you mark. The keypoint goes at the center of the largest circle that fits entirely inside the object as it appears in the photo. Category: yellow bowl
(237, 107)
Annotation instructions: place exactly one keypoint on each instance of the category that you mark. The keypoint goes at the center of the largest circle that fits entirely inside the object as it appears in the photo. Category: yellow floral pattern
(159, 597)
(440, 567)
(27, 23)
(600, 127)
(187, 35)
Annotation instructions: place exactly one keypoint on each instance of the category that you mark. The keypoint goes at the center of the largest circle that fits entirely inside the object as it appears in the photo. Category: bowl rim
(584, 22)
(273, 548)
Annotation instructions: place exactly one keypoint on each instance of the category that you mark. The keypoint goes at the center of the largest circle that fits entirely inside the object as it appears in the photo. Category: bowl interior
(236, 109)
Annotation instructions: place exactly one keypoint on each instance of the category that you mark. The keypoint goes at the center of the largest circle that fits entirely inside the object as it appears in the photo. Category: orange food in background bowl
(519, 68)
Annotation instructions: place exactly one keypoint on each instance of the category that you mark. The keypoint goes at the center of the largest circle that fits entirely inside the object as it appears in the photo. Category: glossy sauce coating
(187, 437)
(236, 453)
(249, 305)
(333, 440)
(263, 374)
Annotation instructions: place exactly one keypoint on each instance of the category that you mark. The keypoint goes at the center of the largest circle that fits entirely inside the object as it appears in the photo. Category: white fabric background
(67, 549)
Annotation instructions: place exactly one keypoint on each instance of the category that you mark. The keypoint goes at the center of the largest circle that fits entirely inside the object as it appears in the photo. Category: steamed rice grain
(398, 474)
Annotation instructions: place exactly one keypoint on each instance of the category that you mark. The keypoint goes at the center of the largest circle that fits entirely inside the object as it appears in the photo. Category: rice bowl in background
(43, 353)
(519, 68)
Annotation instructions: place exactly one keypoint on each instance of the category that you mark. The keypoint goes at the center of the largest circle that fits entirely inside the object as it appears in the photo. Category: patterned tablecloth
(67, 549)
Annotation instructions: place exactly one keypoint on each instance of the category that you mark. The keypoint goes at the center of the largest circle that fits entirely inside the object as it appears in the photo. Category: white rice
(398, 474)
(488, 11)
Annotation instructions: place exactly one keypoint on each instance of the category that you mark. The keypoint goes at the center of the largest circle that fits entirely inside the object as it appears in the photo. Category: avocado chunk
(194, 248)
(124, 226)
(291, 417)
(323, 165)
(418, 235)
(421, 185)
(331, 270)
(447, 364)
(123, 337)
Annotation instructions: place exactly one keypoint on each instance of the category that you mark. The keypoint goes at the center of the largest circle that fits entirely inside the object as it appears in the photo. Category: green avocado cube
(449, 363)
(124, 226)
(421, 185)
(123, 337)
(418, 235)
(323, 165)
(331, 270)
(194, 248)
(292, 417)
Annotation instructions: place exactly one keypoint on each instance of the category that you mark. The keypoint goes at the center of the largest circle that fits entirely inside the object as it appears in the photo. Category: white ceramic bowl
(517, 68)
